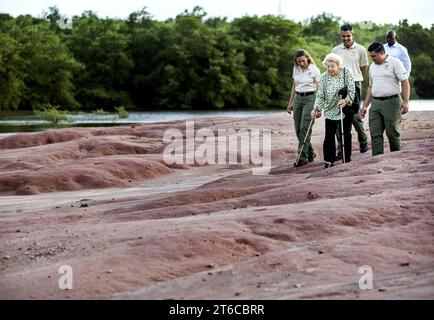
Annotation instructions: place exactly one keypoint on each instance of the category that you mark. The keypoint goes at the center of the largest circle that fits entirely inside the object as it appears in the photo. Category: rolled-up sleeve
(400, 71)
(363, 57)
(320, 95)
(317, 74)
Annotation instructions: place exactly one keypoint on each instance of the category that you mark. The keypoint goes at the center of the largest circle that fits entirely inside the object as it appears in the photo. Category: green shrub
(122, 112)
(100, 112)
(50, 113)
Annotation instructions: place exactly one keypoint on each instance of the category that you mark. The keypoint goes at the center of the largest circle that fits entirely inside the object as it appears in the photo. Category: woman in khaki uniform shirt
(306, 77)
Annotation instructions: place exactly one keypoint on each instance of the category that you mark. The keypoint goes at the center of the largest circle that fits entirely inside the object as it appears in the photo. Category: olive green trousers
(385, 115)
(302, 109)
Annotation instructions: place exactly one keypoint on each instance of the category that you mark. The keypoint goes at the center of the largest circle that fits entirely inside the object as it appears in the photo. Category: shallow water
(29, 123)
(14, 124)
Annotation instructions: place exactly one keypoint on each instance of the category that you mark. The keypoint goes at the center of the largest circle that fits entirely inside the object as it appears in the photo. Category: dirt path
(216, 232)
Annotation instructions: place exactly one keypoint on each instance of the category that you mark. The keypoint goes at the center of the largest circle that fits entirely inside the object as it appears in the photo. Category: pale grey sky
(379, 11)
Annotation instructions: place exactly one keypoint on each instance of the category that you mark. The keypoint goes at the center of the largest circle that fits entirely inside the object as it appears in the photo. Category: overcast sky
(379, 11)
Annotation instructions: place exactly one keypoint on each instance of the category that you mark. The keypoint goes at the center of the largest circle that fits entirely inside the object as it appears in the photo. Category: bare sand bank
(103, 201)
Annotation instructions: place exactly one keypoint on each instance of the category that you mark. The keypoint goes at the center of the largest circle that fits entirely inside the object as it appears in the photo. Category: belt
(303, 94)
(386, 98)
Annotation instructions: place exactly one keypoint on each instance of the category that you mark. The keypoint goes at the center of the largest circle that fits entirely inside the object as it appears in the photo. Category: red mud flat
(104, 202)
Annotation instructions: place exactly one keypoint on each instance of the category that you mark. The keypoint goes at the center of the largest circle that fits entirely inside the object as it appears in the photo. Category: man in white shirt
(397, 50)
(355, 58)
(386, 76)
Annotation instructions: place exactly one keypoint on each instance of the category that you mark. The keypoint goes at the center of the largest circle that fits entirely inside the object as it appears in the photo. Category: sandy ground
(104, 202)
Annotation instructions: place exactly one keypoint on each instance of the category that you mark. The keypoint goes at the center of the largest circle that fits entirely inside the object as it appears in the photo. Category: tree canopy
(191, 61)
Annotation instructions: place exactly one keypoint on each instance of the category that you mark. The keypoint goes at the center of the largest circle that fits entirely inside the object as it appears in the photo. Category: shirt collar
(386, 61)
(308, 68)
(352, 47)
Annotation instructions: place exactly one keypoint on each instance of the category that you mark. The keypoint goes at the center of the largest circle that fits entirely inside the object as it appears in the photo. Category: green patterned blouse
(327, 95)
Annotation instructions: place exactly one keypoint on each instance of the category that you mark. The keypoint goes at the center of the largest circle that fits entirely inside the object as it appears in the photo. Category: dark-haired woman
(306, 76)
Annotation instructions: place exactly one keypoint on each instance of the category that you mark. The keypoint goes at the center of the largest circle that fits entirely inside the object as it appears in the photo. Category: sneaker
(363, 147)
(338, 156)
(328, 165)
(311, 157)
(300, 163)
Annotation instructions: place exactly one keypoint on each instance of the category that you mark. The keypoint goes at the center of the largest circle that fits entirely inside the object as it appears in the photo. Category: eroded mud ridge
(104, 202)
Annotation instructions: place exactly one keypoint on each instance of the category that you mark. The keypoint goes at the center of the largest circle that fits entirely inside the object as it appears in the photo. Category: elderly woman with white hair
(329, 98)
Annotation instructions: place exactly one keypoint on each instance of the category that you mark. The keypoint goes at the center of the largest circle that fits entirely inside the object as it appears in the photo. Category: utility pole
(279, 9)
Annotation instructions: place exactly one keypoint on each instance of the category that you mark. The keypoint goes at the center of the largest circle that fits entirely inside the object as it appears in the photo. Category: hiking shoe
(300, 163)
(363, 147)
(328, 165)
(311, 157)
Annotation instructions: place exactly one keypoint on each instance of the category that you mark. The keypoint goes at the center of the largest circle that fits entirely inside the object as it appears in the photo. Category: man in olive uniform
(355, 58)
(386, 76)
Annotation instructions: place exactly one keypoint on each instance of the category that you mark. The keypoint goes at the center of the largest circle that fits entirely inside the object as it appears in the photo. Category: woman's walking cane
(342, 137)
(304, 142)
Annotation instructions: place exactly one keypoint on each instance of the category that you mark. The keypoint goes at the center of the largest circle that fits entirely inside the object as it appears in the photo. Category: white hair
(333, 57)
